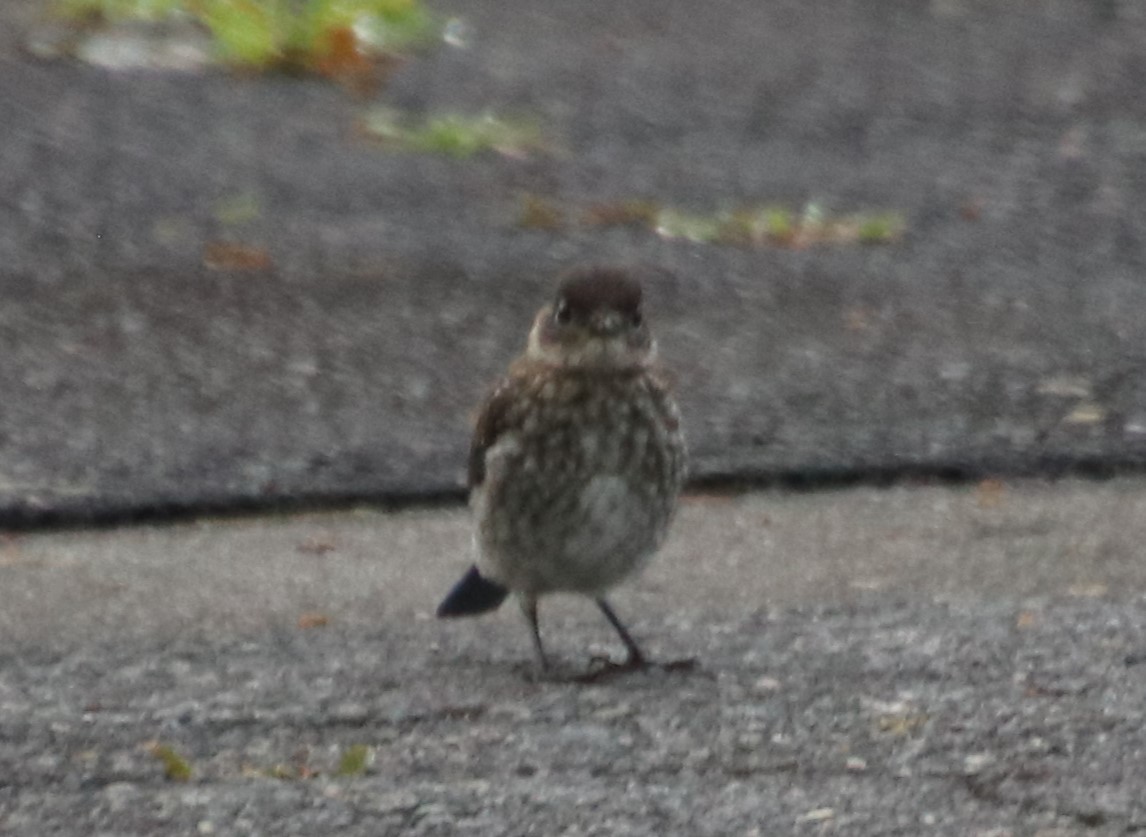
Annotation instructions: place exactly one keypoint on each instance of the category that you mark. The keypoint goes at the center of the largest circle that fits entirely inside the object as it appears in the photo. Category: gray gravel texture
(912, 661)
(907, 661)
(1001, 335)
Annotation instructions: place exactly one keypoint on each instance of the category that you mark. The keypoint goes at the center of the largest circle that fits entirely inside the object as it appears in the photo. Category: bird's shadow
(603, 669)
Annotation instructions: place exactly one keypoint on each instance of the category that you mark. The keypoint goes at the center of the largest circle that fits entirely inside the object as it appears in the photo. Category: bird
(576, 461)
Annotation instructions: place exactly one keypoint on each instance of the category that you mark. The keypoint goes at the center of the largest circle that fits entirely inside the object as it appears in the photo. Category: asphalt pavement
(912, 660)
(960, 652)
(1001, 334)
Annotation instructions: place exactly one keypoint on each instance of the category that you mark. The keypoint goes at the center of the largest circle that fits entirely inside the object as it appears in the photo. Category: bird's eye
(562, 315)
(635, 319)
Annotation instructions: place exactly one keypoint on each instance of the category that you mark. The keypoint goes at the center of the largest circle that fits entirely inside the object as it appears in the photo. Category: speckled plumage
(577, 457)
(581, 475)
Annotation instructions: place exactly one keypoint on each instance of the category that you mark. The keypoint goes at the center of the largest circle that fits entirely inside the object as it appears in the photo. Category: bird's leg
(636, 659)
(529, 608)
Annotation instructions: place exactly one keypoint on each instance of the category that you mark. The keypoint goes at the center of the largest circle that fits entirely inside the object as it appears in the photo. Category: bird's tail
(472, 595)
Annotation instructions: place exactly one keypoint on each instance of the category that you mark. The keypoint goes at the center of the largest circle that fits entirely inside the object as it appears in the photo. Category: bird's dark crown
(587, 289)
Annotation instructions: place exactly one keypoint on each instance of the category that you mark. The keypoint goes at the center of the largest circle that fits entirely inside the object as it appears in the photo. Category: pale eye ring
(562, 314)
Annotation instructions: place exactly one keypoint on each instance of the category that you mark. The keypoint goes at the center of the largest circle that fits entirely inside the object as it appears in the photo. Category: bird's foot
(602, 668)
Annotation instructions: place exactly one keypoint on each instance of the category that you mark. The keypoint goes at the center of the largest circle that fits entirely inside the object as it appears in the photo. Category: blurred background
(264, 253)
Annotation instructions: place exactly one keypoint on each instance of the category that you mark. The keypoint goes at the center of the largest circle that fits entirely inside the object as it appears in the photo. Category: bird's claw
(602, 668)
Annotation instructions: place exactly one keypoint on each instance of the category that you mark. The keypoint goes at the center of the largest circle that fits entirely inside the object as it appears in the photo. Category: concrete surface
(915, 660)
(1001, 336)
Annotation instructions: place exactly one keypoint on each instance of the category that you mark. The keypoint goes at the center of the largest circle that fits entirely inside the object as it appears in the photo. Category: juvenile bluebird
(577, 458)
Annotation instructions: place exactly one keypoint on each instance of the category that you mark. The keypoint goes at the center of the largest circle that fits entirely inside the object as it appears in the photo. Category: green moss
(394, 25)
(175, 767)
(286, 34)
(246, 33)
(355, 760)
(880, 229)
(454, 135)
(673, 223)
(756, 226)
(457, 136)
(779, 224)
(238, 208)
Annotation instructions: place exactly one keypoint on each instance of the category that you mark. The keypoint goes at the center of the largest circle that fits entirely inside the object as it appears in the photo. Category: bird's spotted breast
(576, 458)
(581, 488)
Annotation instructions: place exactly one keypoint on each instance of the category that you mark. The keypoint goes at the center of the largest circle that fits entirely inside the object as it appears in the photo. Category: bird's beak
(606, 323)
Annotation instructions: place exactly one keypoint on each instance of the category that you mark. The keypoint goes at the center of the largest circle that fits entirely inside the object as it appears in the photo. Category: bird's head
(595, 321)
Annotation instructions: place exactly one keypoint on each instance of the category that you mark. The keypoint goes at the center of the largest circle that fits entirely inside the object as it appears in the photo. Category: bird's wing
(492, 420)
